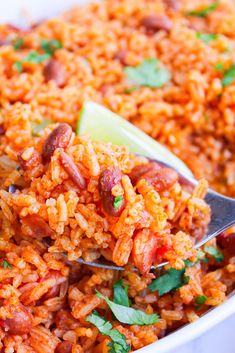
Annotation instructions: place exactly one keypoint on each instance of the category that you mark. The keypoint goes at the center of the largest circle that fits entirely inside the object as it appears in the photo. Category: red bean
(155, 23)
(139, 170)
(161, 178)
(36, 227)
(2, 129)
(173, 4)
(65, 321)
(227, 242)
(54, 71)
(64, 347)
(72, 170)
(107, 180)
(20, 323)
(144, 250)
(58, 138)
(121, 56)
(30, 163)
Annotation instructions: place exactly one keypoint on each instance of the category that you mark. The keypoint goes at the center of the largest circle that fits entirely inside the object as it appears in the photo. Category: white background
(220, 339)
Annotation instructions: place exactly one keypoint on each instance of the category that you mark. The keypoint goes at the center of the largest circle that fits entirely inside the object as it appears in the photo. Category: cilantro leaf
(205, 11)
(34, 57)
(129, 316)
(50, 46)
(218, 256)
(118, 343)
(148, 73)
(36, 128)
(31, 57)
(200, 299)
(207, 37)
(219, 67)
(118, 201)
(18, 66)
(229, 76)
(5, 265)
(120, 294)
(18, 43)
(172, 279)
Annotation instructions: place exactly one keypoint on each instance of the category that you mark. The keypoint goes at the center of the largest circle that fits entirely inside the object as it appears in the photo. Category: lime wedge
(102, 125)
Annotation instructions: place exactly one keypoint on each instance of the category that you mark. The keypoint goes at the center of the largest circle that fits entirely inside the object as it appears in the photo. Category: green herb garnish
(207, 37)
(219, 67)
(37, 128)
(5, 265)
(129, 316)
(200, 254)
(229, 76)
(118, 343)
(205, 11)
(172, 279)
(218, 256)
(50, 46)
(148, 74)
(118, 201)
(31, 57)
(201, 299)
(18, 43)
(120, 294)
(18, 66)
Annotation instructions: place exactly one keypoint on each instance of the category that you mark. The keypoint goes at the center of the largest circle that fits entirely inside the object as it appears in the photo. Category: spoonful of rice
(162, 176)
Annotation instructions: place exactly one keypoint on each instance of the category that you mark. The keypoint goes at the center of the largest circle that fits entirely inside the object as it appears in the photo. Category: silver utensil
(222, 218)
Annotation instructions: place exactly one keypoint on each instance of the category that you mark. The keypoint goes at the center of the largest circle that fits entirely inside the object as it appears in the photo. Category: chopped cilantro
(218, 256)
(31, 57)
(206, 37)
(229, 76)
(129, 316)
(201, 257)
(5, 265)
(130, 89)
(120, 294)
(118, 201)
(18, 43)
(201, 299)
(172, 279)
(149, 73)
(18, 66)
(34, 57)
(118, 343)
(37, 128)
(204, 11)
(206, 117)
(219, 67)
(50, 46)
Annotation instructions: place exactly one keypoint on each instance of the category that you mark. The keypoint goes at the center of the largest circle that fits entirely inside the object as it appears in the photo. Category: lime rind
(102, 125)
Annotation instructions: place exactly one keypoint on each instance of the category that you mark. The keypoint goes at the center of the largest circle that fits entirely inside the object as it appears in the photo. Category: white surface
(214, 333)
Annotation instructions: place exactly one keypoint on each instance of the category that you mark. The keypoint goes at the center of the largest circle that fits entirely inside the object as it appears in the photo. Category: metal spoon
(222, 218)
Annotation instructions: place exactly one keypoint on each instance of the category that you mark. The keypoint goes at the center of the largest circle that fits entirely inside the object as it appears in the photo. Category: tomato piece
(144, 250)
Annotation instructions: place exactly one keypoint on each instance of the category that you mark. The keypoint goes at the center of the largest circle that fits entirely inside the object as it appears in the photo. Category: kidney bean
(53, 291)
(58, 138)
(227, 242)
(20, 323)
(139, 170)
(36, 227)
(155, 23)
(144, 250)
(32, 162)
(121, 56)
(54, 71)
(64, 347)
(173, 4)
(107, 180)
(161, 178)
(2, 129)
(72, 170)
(65, 321)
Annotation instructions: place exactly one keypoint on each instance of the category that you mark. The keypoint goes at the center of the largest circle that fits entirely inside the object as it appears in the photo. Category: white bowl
(22, 11)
